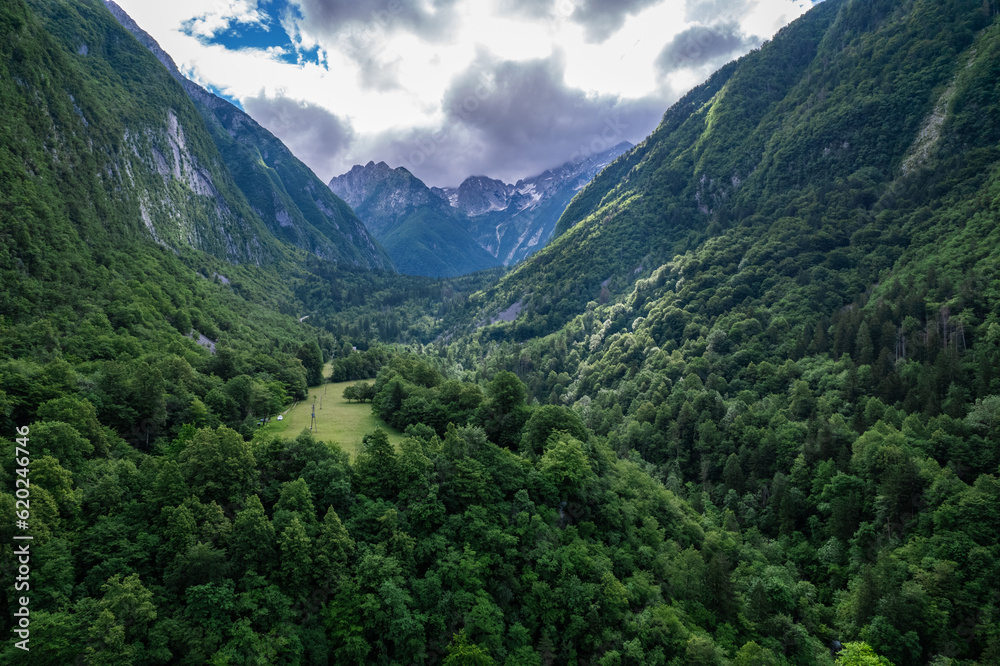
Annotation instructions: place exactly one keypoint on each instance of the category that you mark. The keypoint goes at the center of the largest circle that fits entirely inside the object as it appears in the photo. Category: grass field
(336, 419)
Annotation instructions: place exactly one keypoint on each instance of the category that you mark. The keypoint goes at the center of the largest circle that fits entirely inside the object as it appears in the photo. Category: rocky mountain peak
(397, 188)
(481, 194)
(508, 221)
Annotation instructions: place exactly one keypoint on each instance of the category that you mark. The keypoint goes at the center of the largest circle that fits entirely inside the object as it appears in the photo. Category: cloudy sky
(452, 88)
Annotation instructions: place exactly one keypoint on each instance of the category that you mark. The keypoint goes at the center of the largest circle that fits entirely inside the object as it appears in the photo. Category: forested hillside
(785, 301)
(143, 301)
(745, 409)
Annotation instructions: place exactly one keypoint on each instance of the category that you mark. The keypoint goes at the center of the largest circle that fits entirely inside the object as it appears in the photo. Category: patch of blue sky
(238, 36)
(301, 56)
(267, 35)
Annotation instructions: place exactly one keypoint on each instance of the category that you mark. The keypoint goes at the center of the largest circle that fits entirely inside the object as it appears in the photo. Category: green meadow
(336, 419)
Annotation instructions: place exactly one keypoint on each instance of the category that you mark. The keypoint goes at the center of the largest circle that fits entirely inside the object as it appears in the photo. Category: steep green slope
(124, 239)
(284, 192)
(428, 242)
(786, 301)
(147, 167)
(834, 101)
(282, 189)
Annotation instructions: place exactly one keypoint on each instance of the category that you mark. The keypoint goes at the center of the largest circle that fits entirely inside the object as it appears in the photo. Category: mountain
(768, 145)
(482, 223)
(421, 233)
(281, 190)
(115, 135)
(743, 409)
(512, 221)
(784, 301)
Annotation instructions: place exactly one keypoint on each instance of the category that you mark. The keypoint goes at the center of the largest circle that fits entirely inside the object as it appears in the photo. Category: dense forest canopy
(745, 409)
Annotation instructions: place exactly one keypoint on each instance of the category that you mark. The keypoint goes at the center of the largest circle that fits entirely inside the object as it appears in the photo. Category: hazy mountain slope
(421, 233)
(284, 192)
(384, 195)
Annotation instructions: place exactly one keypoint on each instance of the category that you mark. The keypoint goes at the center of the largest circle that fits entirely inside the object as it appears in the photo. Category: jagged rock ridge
(483, 222)
(513, 221)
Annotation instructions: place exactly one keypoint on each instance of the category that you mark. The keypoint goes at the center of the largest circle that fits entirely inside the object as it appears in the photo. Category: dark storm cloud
(514, 119)
(599, 18)
(715, 11)
(602, 18)
(704, 45)
(358, 29)
(529, 8)
(438, 156)
(504, 119)
(333, 17)
(313, 134)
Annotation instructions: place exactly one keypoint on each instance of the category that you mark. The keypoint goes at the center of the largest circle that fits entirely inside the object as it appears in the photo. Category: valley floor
(336, 419)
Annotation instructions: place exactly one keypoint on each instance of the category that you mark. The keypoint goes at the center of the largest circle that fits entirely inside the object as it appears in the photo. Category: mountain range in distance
(482, 223)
